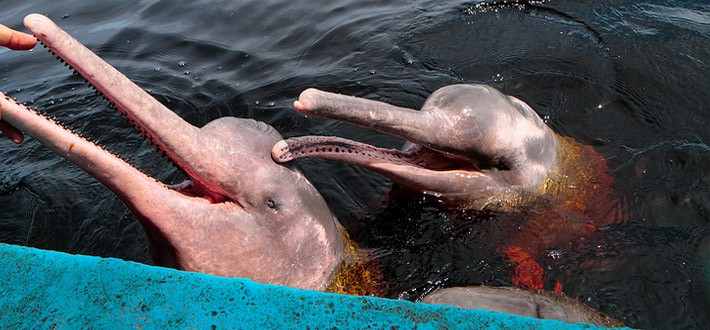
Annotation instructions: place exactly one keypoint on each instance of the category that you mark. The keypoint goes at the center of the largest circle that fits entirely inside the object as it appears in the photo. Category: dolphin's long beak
(163, 127)
(215, 225)
(138, 190)
(401, 122)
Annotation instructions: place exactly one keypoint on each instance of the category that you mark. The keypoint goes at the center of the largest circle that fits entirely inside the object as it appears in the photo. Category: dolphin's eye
(270, 203)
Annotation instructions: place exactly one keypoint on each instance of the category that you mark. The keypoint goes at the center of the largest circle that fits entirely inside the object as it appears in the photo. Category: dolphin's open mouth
(148, 115)
(362, 154)
(336, 147)
(411, 168)
(240, 214)
(443, 156)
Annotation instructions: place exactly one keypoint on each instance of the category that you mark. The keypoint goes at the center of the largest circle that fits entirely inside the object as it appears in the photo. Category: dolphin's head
(240, 214)
(245, 215)
(467, 140)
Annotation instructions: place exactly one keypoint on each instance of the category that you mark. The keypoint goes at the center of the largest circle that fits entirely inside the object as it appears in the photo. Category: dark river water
(630, 78)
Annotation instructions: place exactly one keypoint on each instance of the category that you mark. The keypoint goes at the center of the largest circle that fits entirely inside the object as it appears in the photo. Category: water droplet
(156, 69)
(554, 254)
(186, 72)
(181, 64)
(373, 71)
(271, 104)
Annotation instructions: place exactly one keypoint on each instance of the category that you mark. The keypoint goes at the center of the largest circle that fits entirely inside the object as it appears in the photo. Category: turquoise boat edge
(49, 289)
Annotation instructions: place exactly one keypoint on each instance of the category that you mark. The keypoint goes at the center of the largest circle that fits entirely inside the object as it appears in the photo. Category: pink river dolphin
(240, 214)
(477, 149)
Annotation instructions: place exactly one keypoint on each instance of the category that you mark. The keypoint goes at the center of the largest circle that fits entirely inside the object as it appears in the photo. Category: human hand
(16, 40)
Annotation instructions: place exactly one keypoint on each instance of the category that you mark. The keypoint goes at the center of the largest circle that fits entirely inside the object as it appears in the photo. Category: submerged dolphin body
(240, 215)
(542, 305)
(477, 149)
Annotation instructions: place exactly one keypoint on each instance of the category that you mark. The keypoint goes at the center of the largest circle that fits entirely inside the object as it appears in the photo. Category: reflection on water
(626, 77)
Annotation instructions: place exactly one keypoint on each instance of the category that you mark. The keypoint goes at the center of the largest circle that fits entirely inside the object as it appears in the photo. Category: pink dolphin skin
(468, 140)
(478, 149)
(538, 304)
(240, 215)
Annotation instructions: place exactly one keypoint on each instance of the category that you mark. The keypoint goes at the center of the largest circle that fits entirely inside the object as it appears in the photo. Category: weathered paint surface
(46, 289)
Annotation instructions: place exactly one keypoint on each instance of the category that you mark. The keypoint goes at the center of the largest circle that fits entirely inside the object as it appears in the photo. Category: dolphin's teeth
(141, 130)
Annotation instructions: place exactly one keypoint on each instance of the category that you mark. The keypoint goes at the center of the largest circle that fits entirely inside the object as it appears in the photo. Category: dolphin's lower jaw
(241, 215)
(416, 169)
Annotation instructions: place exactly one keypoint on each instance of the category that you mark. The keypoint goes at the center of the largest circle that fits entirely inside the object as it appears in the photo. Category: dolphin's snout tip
(281, 152)
(34, 19)
(307, 100)
(299, 106)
